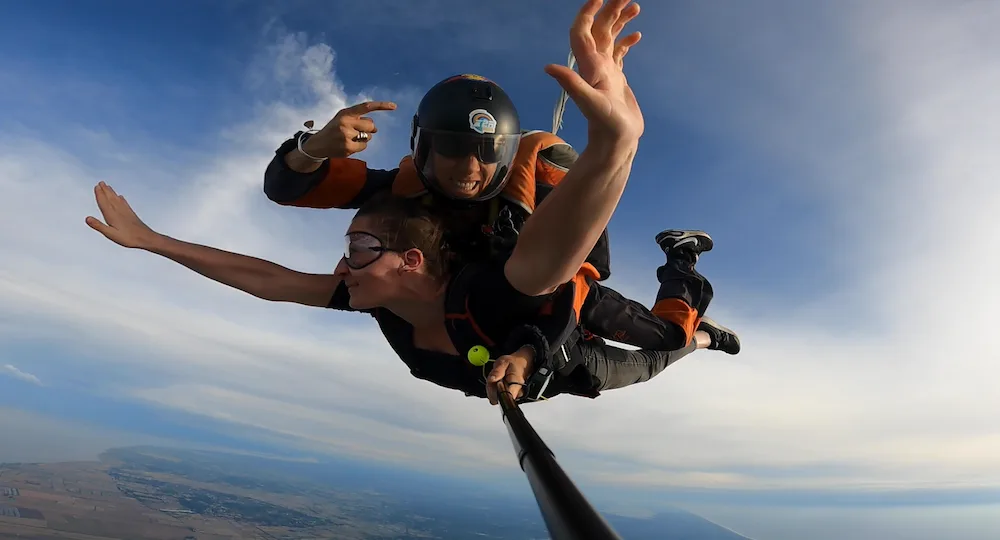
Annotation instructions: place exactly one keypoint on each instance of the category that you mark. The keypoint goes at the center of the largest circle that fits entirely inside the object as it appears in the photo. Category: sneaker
(723, 339)
(691, 242)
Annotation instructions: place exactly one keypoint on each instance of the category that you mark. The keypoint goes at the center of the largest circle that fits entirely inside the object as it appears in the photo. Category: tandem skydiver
(472, 165)
(397, 268)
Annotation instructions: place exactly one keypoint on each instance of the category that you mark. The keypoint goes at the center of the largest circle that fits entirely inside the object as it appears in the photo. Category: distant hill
(147, 493)
(431, 494)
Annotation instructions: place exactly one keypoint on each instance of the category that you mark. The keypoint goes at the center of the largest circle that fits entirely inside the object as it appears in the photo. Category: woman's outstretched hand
(121, 225)
(600, 89)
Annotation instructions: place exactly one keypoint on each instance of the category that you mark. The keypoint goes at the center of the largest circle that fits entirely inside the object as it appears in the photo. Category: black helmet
(461, 116)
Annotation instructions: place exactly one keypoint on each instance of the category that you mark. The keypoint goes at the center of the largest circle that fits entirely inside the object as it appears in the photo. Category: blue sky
(839, 152)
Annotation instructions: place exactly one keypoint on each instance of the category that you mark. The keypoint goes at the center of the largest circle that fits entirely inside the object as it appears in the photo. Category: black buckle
(537, 383)
(505, 222)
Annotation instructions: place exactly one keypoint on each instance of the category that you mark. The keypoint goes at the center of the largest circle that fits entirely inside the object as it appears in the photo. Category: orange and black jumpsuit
(482, 230)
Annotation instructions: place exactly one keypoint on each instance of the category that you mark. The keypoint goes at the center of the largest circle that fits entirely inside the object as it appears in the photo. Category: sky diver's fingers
(576, 88)
(360, 124)
(497, 374)
(624, 18)
(366, 107)
(99, 226)
(115, 202)
(103, 203)
(580, 36)
(105, 200)
(515, 385)
(605, 21)
(499, 369)
(491, 393)
(622, 47)
(508, 371)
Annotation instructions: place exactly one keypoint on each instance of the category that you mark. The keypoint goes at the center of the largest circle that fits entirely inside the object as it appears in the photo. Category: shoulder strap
(462, 326)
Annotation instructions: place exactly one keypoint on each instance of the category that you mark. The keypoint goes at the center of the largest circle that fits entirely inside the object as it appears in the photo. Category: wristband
(303, 137)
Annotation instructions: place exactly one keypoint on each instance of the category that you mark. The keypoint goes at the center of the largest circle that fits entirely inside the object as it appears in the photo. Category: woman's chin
(360, 301)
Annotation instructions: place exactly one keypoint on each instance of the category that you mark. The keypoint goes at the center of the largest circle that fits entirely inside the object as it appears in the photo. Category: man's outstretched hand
(600, 89)
(120, 224)
(337, 139)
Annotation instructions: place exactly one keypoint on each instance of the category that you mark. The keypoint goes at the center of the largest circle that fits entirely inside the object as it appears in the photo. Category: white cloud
(12, 371)
(909, 403)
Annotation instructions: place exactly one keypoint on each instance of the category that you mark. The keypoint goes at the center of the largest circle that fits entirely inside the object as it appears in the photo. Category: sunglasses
(487, 149)
(362, 249)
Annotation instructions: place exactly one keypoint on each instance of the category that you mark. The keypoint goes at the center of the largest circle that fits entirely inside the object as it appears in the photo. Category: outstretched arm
(263, 279)
(556, 239)
(258, 277)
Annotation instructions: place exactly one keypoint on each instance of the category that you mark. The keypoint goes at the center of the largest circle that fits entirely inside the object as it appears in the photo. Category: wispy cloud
(325, 380)
(906, 399)
(12, 371)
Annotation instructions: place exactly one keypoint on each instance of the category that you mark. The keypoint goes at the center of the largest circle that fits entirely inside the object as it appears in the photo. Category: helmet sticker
(482, 122)
(467, 77)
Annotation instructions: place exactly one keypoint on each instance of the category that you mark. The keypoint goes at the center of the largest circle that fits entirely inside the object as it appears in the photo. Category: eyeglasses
(362, 249)
(459, 145)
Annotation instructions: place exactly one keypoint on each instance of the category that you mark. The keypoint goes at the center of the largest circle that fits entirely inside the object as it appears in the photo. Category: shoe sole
(687, 237)
(711, 322)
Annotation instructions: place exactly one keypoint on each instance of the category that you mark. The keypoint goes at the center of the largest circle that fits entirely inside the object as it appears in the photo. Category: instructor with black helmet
(464, 138)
